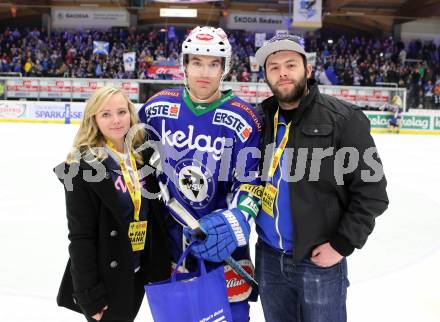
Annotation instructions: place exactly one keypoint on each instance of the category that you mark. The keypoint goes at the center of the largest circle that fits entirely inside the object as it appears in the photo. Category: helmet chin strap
(194, 97)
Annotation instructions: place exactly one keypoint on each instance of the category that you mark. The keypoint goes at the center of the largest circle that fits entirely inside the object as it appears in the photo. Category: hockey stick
(192, 223)
(182, 215)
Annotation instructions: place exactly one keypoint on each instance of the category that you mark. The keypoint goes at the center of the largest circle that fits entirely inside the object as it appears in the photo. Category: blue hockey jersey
(208, 151)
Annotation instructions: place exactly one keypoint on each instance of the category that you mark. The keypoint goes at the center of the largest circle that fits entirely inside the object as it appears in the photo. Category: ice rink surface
(395, 277)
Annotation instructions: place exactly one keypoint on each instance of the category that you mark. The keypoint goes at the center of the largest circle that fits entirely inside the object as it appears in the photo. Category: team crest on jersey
(163, 109)
(234, 122)
(194, 183)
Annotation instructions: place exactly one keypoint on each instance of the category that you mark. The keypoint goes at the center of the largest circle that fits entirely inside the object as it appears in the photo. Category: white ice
(395, 277)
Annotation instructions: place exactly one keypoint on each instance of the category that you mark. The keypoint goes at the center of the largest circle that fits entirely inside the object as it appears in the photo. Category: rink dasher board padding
(42, 112)
(425, 122)
(414, 122)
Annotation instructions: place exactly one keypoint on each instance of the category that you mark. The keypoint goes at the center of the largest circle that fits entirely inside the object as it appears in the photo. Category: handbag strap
(200, 262)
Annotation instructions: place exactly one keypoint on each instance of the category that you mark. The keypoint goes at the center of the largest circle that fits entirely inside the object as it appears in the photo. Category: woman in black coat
(116, 223)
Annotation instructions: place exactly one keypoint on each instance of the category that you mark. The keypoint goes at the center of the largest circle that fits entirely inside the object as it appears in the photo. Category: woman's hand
(98, 316)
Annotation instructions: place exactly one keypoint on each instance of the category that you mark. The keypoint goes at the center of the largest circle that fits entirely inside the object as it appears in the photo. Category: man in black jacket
(324, 187)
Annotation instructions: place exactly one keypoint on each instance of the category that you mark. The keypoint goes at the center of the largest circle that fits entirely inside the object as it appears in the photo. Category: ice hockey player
(395, 107)
(207, 139)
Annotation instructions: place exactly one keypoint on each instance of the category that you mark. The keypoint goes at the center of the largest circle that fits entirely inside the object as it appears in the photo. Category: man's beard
(299, 88)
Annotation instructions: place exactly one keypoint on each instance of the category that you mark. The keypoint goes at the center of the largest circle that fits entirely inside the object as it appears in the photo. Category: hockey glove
(225, 230)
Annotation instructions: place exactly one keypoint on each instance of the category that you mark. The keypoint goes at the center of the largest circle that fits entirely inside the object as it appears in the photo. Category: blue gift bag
(190, 297)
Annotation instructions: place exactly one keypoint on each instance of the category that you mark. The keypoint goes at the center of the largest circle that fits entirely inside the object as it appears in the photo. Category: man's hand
(325, 255)
(98, 316)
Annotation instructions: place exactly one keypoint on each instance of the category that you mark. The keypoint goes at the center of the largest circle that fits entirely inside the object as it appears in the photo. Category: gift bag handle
(201, 263)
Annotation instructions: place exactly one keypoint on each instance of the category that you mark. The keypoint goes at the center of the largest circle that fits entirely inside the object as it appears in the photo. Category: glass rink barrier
(62, 100)
(80, 89)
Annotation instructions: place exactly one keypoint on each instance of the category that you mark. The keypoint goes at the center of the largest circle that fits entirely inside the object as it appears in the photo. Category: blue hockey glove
(225, 230)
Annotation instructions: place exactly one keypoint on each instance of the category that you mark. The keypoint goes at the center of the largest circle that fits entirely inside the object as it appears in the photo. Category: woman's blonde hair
(89, 140)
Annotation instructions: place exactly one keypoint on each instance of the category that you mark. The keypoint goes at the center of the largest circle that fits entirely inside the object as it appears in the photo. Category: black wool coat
(99, 271)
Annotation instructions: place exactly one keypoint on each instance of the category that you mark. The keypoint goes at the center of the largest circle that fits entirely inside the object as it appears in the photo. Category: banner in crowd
(131, 89)
(83, 89)
(96, 18)
(254, 66)
(373, 97)
(186, 1)
(326, 76)
(260, 38)
(55, 89)
(21, 88)
(251, 92)
(311, 58)
(307, 14)
(171, 34)
(65, 89)
(165, 72)
(129, 61)
(361, 96)
(254, 21)
(101, 47)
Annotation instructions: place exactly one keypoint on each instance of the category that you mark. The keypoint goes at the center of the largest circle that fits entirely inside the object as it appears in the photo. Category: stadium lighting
(178, 13)
(330, 41)
(355, 13)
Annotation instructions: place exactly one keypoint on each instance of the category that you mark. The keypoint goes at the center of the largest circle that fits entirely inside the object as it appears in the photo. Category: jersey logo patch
(250, 112)
(234, 122)
(194, 183)
(163, 109)
(202, 143)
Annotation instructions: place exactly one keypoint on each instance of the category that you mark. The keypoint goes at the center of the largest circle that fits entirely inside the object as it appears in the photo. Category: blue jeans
(303, 292)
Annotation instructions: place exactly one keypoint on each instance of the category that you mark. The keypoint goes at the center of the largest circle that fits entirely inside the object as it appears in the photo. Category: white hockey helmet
(208, 41)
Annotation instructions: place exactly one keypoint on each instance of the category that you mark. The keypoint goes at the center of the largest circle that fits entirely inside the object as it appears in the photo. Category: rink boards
(413, 122)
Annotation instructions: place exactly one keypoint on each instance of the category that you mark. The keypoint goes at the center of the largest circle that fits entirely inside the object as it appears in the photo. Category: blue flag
(101, 47)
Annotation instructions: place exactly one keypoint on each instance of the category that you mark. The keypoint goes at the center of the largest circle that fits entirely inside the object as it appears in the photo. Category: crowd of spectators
(357, 61)
(34, 53)
(372, 62)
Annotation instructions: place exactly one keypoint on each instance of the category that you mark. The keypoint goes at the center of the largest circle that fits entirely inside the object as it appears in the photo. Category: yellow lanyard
(134, 188)
(279, 152)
